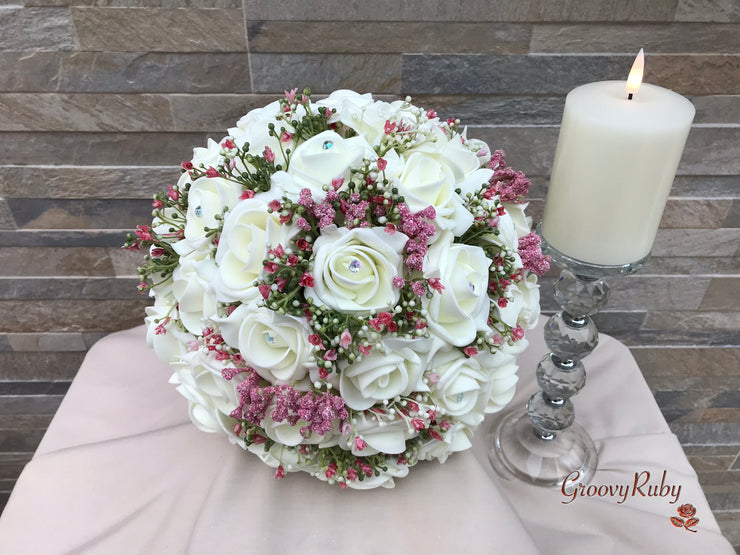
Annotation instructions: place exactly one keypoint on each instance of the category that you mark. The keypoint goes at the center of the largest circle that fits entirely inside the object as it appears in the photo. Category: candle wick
(629, 96)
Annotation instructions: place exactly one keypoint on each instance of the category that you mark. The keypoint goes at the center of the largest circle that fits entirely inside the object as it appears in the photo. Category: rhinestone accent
(354, 266)
(199, 211)
(471, 285)
(327, 145)
(269, 338)
(460, 397)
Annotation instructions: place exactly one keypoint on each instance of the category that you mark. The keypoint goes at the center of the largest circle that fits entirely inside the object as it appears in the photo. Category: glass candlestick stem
(544, 445)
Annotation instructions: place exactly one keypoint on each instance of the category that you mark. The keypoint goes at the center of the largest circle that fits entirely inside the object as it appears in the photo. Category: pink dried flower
(385, 318)
(269, 155)
(174, 194)
(345, 340)
(360, 443)
(277, 251)
(306, 280)
(303, 245)
(418, 424)
(530, 252)
(144, 232)
(331, 470)
(275, 205)
(470, 351)
(280, 473)
(212, 172)
(419, 288)
(517, 332)
(247, 194)
(436, 284)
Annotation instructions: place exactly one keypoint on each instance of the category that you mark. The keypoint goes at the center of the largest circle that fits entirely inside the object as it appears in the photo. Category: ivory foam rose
(276, 346)
(460, 311)
(381, 376)
(341, 287)
(353, 270)
(248, 230)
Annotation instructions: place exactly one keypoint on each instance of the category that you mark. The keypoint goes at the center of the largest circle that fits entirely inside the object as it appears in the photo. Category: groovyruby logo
(686, 518)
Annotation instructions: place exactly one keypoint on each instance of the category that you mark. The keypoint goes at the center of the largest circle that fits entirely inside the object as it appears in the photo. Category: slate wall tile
(26, 28)
(143, 29)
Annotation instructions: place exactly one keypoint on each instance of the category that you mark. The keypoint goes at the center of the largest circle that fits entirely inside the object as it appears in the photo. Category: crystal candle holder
(544, 444)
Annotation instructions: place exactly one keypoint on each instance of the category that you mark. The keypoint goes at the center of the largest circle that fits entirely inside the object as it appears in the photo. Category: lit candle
(618, 151)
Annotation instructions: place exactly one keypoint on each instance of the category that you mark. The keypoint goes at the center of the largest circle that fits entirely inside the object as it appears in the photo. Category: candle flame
(634, 80)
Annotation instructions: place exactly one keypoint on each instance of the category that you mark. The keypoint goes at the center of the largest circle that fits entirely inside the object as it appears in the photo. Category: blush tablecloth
(122, 470)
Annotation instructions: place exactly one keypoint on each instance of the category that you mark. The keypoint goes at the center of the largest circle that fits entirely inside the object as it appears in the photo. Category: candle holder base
(517, 451)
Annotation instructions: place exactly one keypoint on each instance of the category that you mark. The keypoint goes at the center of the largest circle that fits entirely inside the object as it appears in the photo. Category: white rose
(359, 112)
(324, 157)
(503, 377)
(428, 180)
(275, 345)
(281, 455)
(523, 306)
(461, 309)
(253, 129)
(353, 269)
(481, 150)
(248, 230)
(383, 375)
(207, 198)
(169, 346)
(522, 222)
(384, 480)
(210, 397)
(389, 438)
(191, 288)
(457, 438)
(500, 389)
(461, 380)
(507, 237)
(207, 157)
(461, 158)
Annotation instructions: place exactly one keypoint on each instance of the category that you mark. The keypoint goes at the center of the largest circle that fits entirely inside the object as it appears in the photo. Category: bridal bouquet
(342, 287)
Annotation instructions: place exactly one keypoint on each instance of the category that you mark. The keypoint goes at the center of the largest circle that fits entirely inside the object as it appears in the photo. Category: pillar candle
(614, 165)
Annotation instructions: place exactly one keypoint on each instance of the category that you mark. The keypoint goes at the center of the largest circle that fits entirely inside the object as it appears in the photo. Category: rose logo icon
(687, 511)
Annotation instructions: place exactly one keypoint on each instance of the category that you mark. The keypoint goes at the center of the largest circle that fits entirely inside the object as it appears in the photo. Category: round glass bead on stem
(544, 445)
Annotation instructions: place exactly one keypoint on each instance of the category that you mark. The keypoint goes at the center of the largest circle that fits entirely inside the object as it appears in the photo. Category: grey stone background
(101, 99)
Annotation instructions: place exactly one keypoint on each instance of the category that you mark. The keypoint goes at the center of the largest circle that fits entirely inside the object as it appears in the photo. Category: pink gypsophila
(530, 251)
(508, 184)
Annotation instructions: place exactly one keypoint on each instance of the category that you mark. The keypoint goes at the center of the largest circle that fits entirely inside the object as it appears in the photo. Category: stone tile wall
(101, 99)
